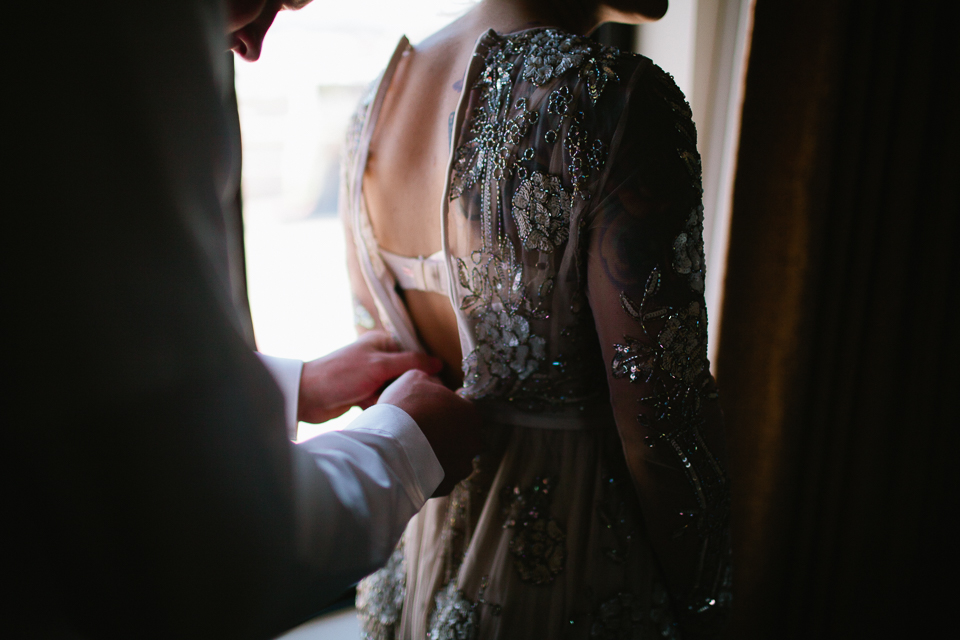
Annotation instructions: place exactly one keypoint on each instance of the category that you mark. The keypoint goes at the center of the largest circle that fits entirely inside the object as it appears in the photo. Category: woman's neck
(506, 16)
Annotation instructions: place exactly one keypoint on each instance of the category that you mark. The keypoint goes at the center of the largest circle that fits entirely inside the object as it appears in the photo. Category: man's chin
(238, 47)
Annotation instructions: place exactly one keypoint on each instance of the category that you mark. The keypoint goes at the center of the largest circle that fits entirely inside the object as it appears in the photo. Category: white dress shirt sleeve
(356, 489)
(286, 372)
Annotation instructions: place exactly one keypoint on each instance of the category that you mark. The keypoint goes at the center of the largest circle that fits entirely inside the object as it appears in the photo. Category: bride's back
(406, 170)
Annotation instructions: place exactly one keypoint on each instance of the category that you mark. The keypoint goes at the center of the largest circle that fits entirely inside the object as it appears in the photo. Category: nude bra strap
(418, 274)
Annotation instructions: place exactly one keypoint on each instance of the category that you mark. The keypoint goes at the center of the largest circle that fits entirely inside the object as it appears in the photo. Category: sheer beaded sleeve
(645, 289)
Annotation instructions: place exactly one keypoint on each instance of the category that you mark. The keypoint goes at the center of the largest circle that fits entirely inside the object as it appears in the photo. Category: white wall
(671, 43)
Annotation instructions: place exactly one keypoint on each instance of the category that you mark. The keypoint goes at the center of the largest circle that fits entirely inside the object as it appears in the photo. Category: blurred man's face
(249, 20)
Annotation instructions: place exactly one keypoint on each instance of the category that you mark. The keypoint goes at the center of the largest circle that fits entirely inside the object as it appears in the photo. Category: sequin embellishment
(541, 208)
(551, 53)
(380, 599)
(454, 617)
(496, 150)
(490, 151)
(680, 345)
(363, 318)
(688, 250)
(506, 347)
(538, 544)
(672, 359)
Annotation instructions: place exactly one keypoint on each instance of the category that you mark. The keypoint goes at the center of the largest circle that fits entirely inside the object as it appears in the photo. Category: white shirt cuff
(420, 464)
(286, 372)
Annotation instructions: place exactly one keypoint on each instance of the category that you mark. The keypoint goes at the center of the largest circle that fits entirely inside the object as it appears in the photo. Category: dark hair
(653, 9)
(577, 12)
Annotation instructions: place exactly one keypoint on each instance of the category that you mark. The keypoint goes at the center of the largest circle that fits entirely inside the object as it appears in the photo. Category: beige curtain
(838, 347)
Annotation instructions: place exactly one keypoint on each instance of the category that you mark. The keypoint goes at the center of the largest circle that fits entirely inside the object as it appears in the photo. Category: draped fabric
(837, 351)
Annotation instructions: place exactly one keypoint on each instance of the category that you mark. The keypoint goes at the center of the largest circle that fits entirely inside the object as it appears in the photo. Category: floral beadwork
(688, 246)
(350, 151)
(490, 150)
(618, 617)
(551, 54)
(585, 157)
(708, 610)
(665, 86)
(454, 617)
(599, 71)
(627, 616)
(617, 518)
(688, 259)
(680, 349)
(672, 360)
(363, 318)
(546, 54)
(684, 343)
(538, 550)
(541, 208)
(636, 359)
(380, 598)
(496, 148)
(559, 101)
(661, 612)
(538, 544)
(624, 617)
(506, 347)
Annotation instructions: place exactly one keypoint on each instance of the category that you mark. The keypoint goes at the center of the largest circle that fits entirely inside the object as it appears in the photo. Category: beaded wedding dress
(573, 257)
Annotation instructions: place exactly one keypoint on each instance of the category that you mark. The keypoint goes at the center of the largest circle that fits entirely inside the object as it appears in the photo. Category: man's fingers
(398, 391)
(379, 340)
(450, 423)
(396, 364)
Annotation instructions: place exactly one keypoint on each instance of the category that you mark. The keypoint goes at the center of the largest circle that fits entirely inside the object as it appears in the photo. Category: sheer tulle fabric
(574, 257)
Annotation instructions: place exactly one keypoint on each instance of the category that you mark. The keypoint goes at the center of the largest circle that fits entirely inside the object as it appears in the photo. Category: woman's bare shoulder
(451, 40)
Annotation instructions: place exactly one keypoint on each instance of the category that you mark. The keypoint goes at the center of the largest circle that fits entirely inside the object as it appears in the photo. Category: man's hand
(450, 423)
(355, 375)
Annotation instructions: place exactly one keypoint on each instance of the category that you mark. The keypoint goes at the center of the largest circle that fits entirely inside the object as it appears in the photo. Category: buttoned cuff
(286, 372)
(420, 469)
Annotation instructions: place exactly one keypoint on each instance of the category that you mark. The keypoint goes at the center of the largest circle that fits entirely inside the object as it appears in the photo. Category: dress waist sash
(568, 419)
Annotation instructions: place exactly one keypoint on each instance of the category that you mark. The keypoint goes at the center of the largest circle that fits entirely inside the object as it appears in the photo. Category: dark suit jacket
(150, 488)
